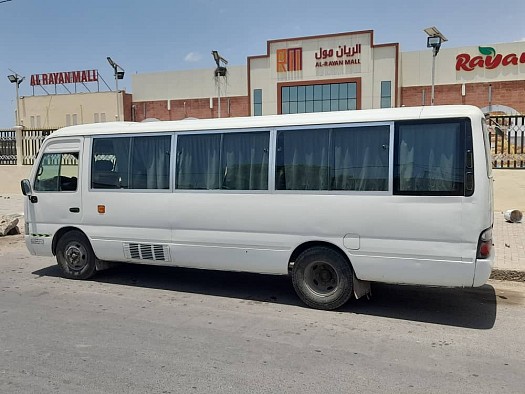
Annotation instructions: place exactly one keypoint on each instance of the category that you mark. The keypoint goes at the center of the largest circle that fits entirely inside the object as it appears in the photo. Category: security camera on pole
(434, 41)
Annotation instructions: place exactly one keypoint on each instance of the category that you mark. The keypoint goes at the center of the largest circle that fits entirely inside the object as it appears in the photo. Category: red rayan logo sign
(490, 60)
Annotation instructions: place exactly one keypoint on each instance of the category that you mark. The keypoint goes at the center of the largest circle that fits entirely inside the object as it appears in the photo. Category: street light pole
(119, 74)
(434, 41)
(434, 53)
(116, 90)
(220, 71)
(15, 78)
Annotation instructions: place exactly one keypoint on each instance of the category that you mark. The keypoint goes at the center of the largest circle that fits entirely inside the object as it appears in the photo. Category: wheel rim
(76, 256)
(321, 278)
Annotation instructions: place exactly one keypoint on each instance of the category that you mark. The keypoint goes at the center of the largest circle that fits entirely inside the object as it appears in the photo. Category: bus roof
(269, 121)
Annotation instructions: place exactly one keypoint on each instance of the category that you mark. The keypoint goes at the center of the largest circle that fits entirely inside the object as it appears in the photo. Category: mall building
(332, 72)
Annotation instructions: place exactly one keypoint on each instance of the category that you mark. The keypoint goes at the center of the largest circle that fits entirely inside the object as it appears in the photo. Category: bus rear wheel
(75, 256)
(322, 278)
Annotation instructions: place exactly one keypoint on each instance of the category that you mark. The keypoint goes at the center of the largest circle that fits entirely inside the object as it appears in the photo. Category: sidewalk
(509, 238)
(509, 242)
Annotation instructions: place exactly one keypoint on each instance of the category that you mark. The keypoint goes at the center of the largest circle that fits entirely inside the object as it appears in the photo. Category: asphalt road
(158, 329)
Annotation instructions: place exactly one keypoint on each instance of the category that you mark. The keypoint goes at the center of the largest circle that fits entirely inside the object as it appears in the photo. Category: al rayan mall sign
(64, 77)
(490, 60)
(325, 56)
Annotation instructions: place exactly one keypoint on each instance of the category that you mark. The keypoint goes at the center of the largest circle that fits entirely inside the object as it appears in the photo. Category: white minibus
(336, 200)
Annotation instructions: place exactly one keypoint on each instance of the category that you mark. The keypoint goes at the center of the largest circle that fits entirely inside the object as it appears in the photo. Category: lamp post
(434, 41)
(16, 79)
(220, 71)
(119, 74)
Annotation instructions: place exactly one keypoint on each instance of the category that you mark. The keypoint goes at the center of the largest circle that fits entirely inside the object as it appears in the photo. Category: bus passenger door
(55, 201)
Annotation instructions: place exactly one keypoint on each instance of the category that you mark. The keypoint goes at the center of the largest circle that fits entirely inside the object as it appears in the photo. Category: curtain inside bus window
(430, 159)
(349, 158)
(230, 161)
(302, 160)
(244, 161)
(150, 162)
(198, 161)
(360, 157)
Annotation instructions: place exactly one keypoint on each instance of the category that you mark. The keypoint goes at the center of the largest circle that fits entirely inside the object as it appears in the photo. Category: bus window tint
(131, 163)
(110, 162)
(429, 159)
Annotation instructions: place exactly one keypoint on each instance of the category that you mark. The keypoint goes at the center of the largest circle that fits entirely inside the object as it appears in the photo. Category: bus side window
(430, 158)
(57, 172)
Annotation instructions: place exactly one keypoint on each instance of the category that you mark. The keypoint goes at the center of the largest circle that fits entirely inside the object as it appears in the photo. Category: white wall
(188, 84)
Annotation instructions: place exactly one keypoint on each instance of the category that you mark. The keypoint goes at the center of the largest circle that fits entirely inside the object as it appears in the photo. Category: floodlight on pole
(434, 41)
(119, 74)
(16, 79)
(220, 71)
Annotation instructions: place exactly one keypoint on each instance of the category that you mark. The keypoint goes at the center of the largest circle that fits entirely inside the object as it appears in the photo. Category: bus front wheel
(322, 278)
(75, 256)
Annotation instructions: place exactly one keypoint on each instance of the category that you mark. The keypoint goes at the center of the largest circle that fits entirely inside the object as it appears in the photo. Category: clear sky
(40, 36)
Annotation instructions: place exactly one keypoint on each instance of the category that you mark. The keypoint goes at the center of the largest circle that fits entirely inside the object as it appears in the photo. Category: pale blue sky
(39, 36)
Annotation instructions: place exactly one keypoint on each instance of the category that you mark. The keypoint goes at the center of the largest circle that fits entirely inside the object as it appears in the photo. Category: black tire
(75, 256)
(322, 278)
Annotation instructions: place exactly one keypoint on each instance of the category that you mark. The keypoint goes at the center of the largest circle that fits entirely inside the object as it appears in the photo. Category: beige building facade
(59, 110)
(303, 74)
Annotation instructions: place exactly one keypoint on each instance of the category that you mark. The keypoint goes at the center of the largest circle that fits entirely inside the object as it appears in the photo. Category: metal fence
(32, 140)
(7, 147)
(507, 141)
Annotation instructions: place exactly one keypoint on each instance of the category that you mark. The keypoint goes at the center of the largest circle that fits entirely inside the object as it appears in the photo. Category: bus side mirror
(26, 190)
(26, 187)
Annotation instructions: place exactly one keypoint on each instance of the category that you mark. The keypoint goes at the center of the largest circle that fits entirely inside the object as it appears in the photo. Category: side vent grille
(150, 252)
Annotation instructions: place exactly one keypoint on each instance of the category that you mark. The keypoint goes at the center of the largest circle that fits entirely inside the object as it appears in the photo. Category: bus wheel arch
(74, 253)
(322, 275)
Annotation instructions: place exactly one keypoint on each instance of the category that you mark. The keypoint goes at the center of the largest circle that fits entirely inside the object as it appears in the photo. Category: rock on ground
(8, 225)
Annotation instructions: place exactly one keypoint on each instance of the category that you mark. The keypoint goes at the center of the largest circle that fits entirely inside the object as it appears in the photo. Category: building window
(71, 119)
(257, 102)
(99, 117)
(386, 94)
(319, 98)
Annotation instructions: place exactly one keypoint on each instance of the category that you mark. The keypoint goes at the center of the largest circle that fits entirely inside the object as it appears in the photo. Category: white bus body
(395, 195)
